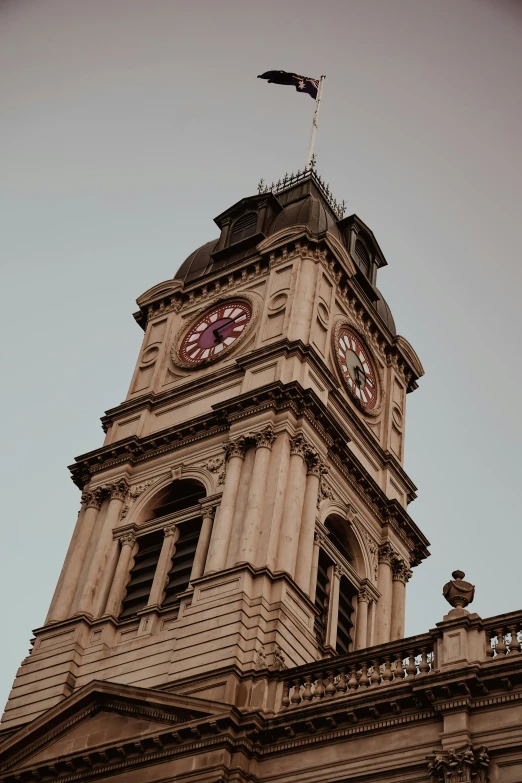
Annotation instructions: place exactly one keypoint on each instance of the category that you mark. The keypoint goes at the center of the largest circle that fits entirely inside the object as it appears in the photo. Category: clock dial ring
(357, 368)
(215, 332)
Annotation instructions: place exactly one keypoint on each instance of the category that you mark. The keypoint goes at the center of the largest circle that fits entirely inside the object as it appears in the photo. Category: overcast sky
(128, 125)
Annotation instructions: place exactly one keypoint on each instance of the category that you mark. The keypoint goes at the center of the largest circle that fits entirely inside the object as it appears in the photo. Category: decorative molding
(401, 571)
(127, 539)
(118, 489)
(463, 766)
(372, 549)
(364, 596)
(387, 554)
(215, 465)
(236, 448)
(299, 446)
(264, 438)
(94, 498)
(132, 495)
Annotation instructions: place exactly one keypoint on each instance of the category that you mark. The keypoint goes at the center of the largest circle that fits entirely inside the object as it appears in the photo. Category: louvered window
(321, 595)
(363, 257)
(244, 226)
(344, 619)
(142, 574)
(182, 561)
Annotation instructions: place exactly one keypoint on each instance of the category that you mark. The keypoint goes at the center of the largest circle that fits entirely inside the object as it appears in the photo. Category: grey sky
(127, 125)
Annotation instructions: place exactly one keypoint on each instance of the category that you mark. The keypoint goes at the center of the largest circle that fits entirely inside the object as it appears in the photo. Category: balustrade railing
(355, 672)
(503, 635)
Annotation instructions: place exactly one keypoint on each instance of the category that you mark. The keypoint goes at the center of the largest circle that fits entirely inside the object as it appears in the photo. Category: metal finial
(261, 185)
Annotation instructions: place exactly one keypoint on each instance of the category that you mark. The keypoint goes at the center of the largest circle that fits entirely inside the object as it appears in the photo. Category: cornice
(304, 403)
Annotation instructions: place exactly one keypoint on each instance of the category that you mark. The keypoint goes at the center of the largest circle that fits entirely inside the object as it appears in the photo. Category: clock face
(214, 332)
(357, 368)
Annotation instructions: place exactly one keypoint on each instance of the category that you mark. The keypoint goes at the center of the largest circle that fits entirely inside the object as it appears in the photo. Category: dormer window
(245, 226)
(363, 257)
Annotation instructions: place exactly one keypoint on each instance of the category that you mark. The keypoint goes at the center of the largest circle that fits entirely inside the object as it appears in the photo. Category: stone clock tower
(247, 511)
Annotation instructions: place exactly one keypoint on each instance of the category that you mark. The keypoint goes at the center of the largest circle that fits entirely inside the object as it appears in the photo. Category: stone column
(163, 567)
(315, 566)
(292, 507)
(217, 554)
(384, 586)
(305, 550)
(91, 502)
(361, 631)
(334, 585)
(256, 497)
(401, 575)
(303, 302)
(99, 574)
(198, 566)
(121, 576)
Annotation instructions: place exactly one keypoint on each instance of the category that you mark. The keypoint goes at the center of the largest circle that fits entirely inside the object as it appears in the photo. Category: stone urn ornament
(457, 592)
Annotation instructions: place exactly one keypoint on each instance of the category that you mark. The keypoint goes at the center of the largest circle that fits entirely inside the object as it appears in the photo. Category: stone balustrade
(373, 667)
(503, 635)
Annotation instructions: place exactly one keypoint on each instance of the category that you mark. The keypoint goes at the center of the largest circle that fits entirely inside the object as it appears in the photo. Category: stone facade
(231, 607)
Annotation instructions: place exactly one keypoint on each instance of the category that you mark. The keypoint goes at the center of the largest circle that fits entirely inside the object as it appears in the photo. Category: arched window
(363, 257)
(173, 499)
(178, 496)
(243, 227)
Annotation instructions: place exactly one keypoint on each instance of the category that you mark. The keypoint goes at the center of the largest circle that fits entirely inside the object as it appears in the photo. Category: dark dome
(197, 263)
(307, 211)
(384, 311)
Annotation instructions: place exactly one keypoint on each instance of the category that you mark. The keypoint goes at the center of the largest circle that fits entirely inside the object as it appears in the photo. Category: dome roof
(197, 263)
(309, 211)
(381, 305)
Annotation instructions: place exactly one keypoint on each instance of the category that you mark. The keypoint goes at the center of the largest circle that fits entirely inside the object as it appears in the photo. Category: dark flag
(301, 83)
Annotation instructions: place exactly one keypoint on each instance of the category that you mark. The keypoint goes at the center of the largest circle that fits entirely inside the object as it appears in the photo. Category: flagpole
(314, 123)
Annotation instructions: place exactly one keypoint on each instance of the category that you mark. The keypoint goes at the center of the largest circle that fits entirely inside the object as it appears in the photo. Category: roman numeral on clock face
(357, 368)
(215, 332)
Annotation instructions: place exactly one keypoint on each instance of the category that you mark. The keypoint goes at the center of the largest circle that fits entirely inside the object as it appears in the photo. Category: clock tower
(248, 509)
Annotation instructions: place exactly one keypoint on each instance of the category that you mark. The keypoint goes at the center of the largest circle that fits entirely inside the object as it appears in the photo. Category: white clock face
(358, 372)
(215, 332)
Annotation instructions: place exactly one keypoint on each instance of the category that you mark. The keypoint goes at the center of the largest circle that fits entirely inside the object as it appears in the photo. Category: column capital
(127, 539)
(387, 553)
(339, 571)
(207, 509)
(300, 446)
(264, 438)
(117, 489)
(401, 570)
(236, 448)
(462, 766)
(364, 596)
(93, 498)
(171, 530)
(315, 465)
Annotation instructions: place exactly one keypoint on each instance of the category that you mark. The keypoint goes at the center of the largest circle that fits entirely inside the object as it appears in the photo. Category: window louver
(363, 256)
(182, 561)
(142, 574)
(321, 595)
(344, 619)
(244, 226)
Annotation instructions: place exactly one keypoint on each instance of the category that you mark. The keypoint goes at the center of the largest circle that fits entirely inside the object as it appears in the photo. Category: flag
(301, 83)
